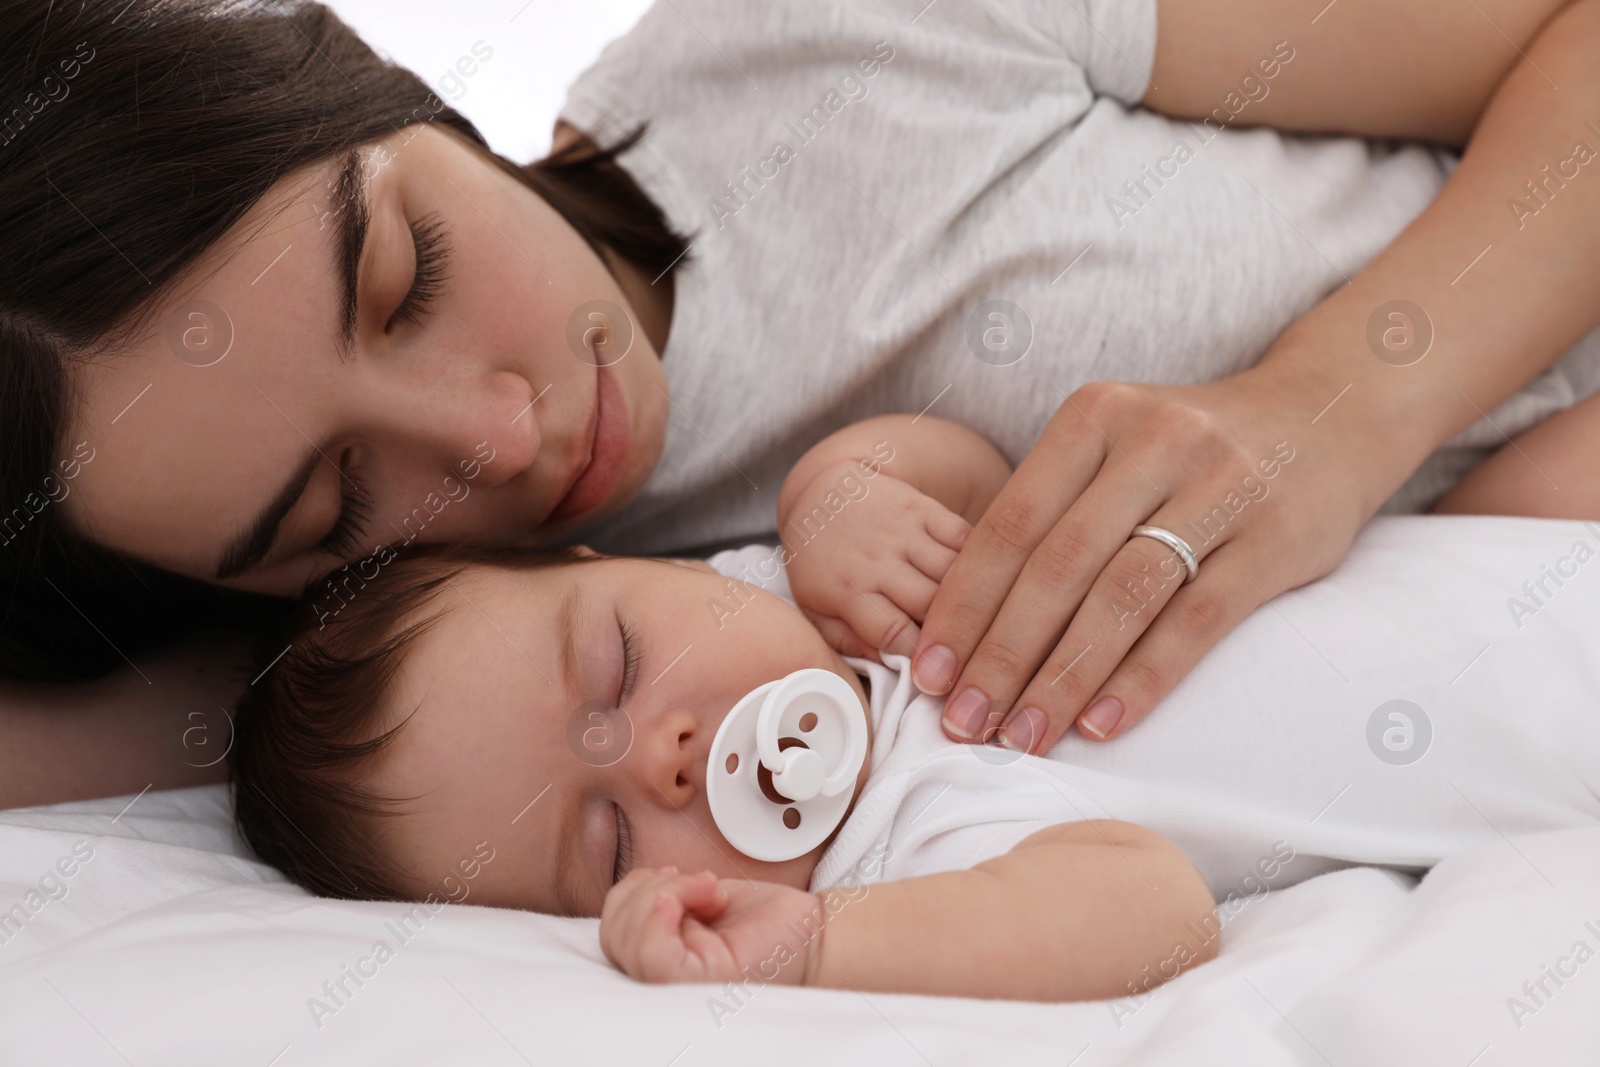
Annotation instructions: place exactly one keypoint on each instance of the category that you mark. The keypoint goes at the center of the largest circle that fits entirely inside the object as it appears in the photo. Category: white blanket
(166, 944)
(168, 949)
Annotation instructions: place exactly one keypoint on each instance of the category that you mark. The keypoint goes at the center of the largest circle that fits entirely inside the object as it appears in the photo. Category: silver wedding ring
(1191, 562)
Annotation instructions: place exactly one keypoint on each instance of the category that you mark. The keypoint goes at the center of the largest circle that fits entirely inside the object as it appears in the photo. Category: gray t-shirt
(865, 182)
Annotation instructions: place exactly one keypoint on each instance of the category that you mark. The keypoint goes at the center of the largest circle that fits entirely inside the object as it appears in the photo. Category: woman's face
(305, 395)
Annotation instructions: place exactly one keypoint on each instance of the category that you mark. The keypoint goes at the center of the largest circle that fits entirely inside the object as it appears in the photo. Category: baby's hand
(864, 565)
(661, 926)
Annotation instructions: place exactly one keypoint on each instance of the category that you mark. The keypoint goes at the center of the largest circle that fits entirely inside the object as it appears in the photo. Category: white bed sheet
(171, 946)
(203, 957)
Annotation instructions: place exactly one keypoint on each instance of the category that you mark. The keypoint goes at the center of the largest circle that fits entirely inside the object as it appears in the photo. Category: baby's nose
(672, 762)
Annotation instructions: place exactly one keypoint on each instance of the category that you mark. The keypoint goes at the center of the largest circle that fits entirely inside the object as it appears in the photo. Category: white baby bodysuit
(1391, 713)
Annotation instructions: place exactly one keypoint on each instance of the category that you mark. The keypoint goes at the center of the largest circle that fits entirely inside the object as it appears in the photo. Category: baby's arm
(873, 516)
(1078, 911)
(947, 461)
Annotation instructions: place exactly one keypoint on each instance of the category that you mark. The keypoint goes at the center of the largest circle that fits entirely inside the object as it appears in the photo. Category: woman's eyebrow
(252, 546)
(353, 212)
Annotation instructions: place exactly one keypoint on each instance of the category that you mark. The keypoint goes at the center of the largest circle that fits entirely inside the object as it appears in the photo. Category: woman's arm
(162, 726)
(1051, 610)
(1551, 471)
(1495, 321)
(1078, 911)
(1415, 69)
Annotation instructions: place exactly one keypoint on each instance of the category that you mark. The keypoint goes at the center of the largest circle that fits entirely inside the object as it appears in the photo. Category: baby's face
(538, 748)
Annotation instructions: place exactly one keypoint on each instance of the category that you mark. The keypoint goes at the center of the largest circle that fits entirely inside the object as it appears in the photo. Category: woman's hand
(1052, 607)
(661, 926)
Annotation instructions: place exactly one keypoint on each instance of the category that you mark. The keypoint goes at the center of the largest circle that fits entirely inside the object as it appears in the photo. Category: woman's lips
(607, 453)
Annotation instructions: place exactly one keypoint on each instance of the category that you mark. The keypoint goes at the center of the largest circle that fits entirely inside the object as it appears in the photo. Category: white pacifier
(783, 765)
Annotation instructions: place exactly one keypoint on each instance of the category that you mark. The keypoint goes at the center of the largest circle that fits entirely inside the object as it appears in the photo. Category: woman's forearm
(1079, 911)
(1503, 268)
(1353, 66)
(162, 726)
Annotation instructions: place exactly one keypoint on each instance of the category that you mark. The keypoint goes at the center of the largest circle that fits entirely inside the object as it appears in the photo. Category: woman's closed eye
(355, 512)
(432, 254)
(427, 280)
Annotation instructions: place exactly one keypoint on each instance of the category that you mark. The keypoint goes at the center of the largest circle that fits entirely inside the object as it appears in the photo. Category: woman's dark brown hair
(133, 135)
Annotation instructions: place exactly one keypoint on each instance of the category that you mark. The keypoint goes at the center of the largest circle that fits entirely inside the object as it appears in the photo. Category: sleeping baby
(740, 791)
(557, 711)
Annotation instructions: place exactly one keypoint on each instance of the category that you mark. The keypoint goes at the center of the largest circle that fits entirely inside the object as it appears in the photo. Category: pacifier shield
(804, 734)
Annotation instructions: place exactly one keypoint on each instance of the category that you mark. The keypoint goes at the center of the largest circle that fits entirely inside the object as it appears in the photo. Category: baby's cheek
(781, 639)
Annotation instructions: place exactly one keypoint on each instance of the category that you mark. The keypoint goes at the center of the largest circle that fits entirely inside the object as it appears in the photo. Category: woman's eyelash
(355, 510)
(630, 661)
(624, 859)
(427, 235)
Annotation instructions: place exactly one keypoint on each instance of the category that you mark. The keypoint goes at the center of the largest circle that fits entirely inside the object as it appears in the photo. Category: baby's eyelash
(624, 860)
(428, 236)
(630, 661)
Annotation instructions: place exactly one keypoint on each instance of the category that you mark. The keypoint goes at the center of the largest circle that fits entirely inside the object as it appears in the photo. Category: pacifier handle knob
(807, 685)
(801, 775)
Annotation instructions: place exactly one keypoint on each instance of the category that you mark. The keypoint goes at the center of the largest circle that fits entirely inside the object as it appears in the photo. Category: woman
(275, 311)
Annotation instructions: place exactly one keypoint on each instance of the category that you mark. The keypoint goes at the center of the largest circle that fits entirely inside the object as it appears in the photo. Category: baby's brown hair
(306, 729)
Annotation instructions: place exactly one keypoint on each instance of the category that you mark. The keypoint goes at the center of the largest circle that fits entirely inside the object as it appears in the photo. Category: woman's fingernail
(935, 670)
(1102, 716)
(966, 712)
(1023, 730)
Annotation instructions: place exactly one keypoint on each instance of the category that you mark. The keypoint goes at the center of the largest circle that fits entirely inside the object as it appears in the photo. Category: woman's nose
(671, 768)
(484, 428)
